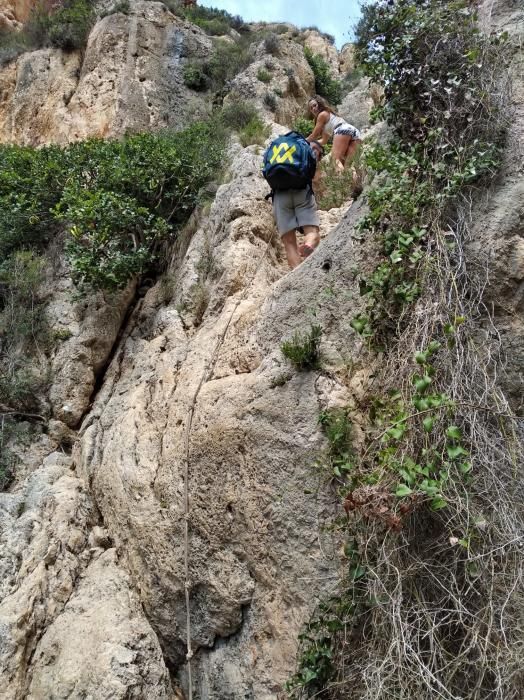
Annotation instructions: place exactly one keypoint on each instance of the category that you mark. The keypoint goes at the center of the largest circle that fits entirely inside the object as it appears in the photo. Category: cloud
(336, 17)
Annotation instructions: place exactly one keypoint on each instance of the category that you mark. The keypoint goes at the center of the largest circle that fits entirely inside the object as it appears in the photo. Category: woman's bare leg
(352, 149)
(341, 143)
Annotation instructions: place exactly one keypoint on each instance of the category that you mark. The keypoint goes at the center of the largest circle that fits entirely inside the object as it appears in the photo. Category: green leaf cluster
(325, 84)
(340, 457)
(118, 199)
(442, 453)
(66, 26)
(212, 20)
(431, 61)
(329, 626)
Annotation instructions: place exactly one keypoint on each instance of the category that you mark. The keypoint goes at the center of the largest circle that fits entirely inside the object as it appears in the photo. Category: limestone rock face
(96, 636)
(291, 82)
(92, 546)
(346, 59)
(258, 557)
(498, 232)
(13, 13)
(130, 79)
(322, 47)
(101, 645)
(356, 105)
(92, 325)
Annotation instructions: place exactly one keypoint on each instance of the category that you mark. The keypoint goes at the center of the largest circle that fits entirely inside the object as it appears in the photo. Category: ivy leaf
(357, 572)
(421, 357)
(456, 451)
(453, 432)
(396, 256)
(406, 476)
(438, 503)
(403, 490)
(428, 424)
(421, 383)
(397, 432)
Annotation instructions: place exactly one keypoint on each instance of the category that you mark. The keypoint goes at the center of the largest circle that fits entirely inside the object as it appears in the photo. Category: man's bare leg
(289, 240)
(311, 238)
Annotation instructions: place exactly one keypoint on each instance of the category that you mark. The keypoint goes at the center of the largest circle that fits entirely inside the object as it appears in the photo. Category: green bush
(118, 198)
(122, 6)
(227, 61)
(303, 350)
(66, 27)
(212, 20)
(22, 324)
(195, 77)
(255, 132)
(325, 84)
(112, 237)
(325, 35)
(303, 126)
(263, 75)
(238, 114)
(271, 101)
(335, 188)
(272, 44)
(12, 44)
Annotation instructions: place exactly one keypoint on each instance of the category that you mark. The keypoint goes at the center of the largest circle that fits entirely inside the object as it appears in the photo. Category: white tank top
(334, 122)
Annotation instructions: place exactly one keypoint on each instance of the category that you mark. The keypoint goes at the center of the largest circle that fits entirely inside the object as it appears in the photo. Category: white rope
(206, 374)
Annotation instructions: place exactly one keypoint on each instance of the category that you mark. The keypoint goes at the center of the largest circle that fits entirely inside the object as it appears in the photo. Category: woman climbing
(346, 138)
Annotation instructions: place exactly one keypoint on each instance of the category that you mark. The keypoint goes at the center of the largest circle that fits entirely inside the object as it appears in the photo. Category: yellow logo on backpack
(287, 155)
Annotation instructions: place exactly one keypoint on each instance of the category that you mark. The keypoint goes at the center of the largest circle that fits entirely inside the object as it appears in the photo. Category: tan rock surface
(13, 13)
(498, 231)
(292, 82)
(322, 47)
(88, 555)
(130, 79)
(258, 554)
(101, 645)
(356, 105)
(346, 59)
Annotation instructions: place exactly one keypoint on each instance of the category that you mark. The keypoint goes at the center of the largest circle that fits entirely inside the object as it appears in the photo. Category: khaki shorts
(295, 208)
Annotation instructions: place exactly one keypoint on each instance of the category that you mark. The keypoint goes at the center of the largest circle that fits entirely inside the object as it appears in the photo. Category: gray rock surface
(356, 105)
(69, 622)
(497, 236)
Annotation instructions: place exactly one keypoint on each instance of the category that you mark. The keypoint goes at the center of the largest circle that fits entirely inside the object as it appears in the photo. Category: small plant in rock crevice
(303, 125)
(303, 350)
(335, 188)
(263, 75)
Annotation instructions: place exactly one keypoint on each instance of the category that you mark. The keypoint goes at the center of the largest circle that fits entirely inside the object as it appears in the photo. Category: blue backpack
(289, 163)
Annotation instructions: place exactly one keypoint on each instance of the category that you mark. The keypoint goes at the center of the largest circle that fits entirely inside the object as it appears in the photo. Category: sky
(336, 17)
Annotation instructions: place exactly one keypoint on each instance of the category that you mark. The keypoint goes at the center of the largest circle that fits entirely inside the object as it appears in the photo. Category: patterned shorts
(347, 130)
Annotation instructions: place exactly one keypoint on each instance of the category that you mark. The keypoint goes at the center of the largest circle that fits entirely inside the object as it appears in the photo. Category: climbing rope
(206, 374)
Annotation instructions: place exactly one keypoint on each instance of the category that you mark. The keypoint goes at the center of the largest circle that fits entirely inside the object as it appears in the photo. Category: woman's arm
(318, 131)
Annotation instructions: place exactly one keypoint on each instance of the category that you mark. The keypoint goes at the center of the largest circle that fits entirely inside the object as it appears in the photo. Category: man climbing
(289, 167)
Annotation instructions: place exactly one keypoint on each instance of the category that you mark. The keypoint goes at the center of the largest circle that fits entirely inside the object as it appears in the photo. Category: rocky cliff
(92, 531)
